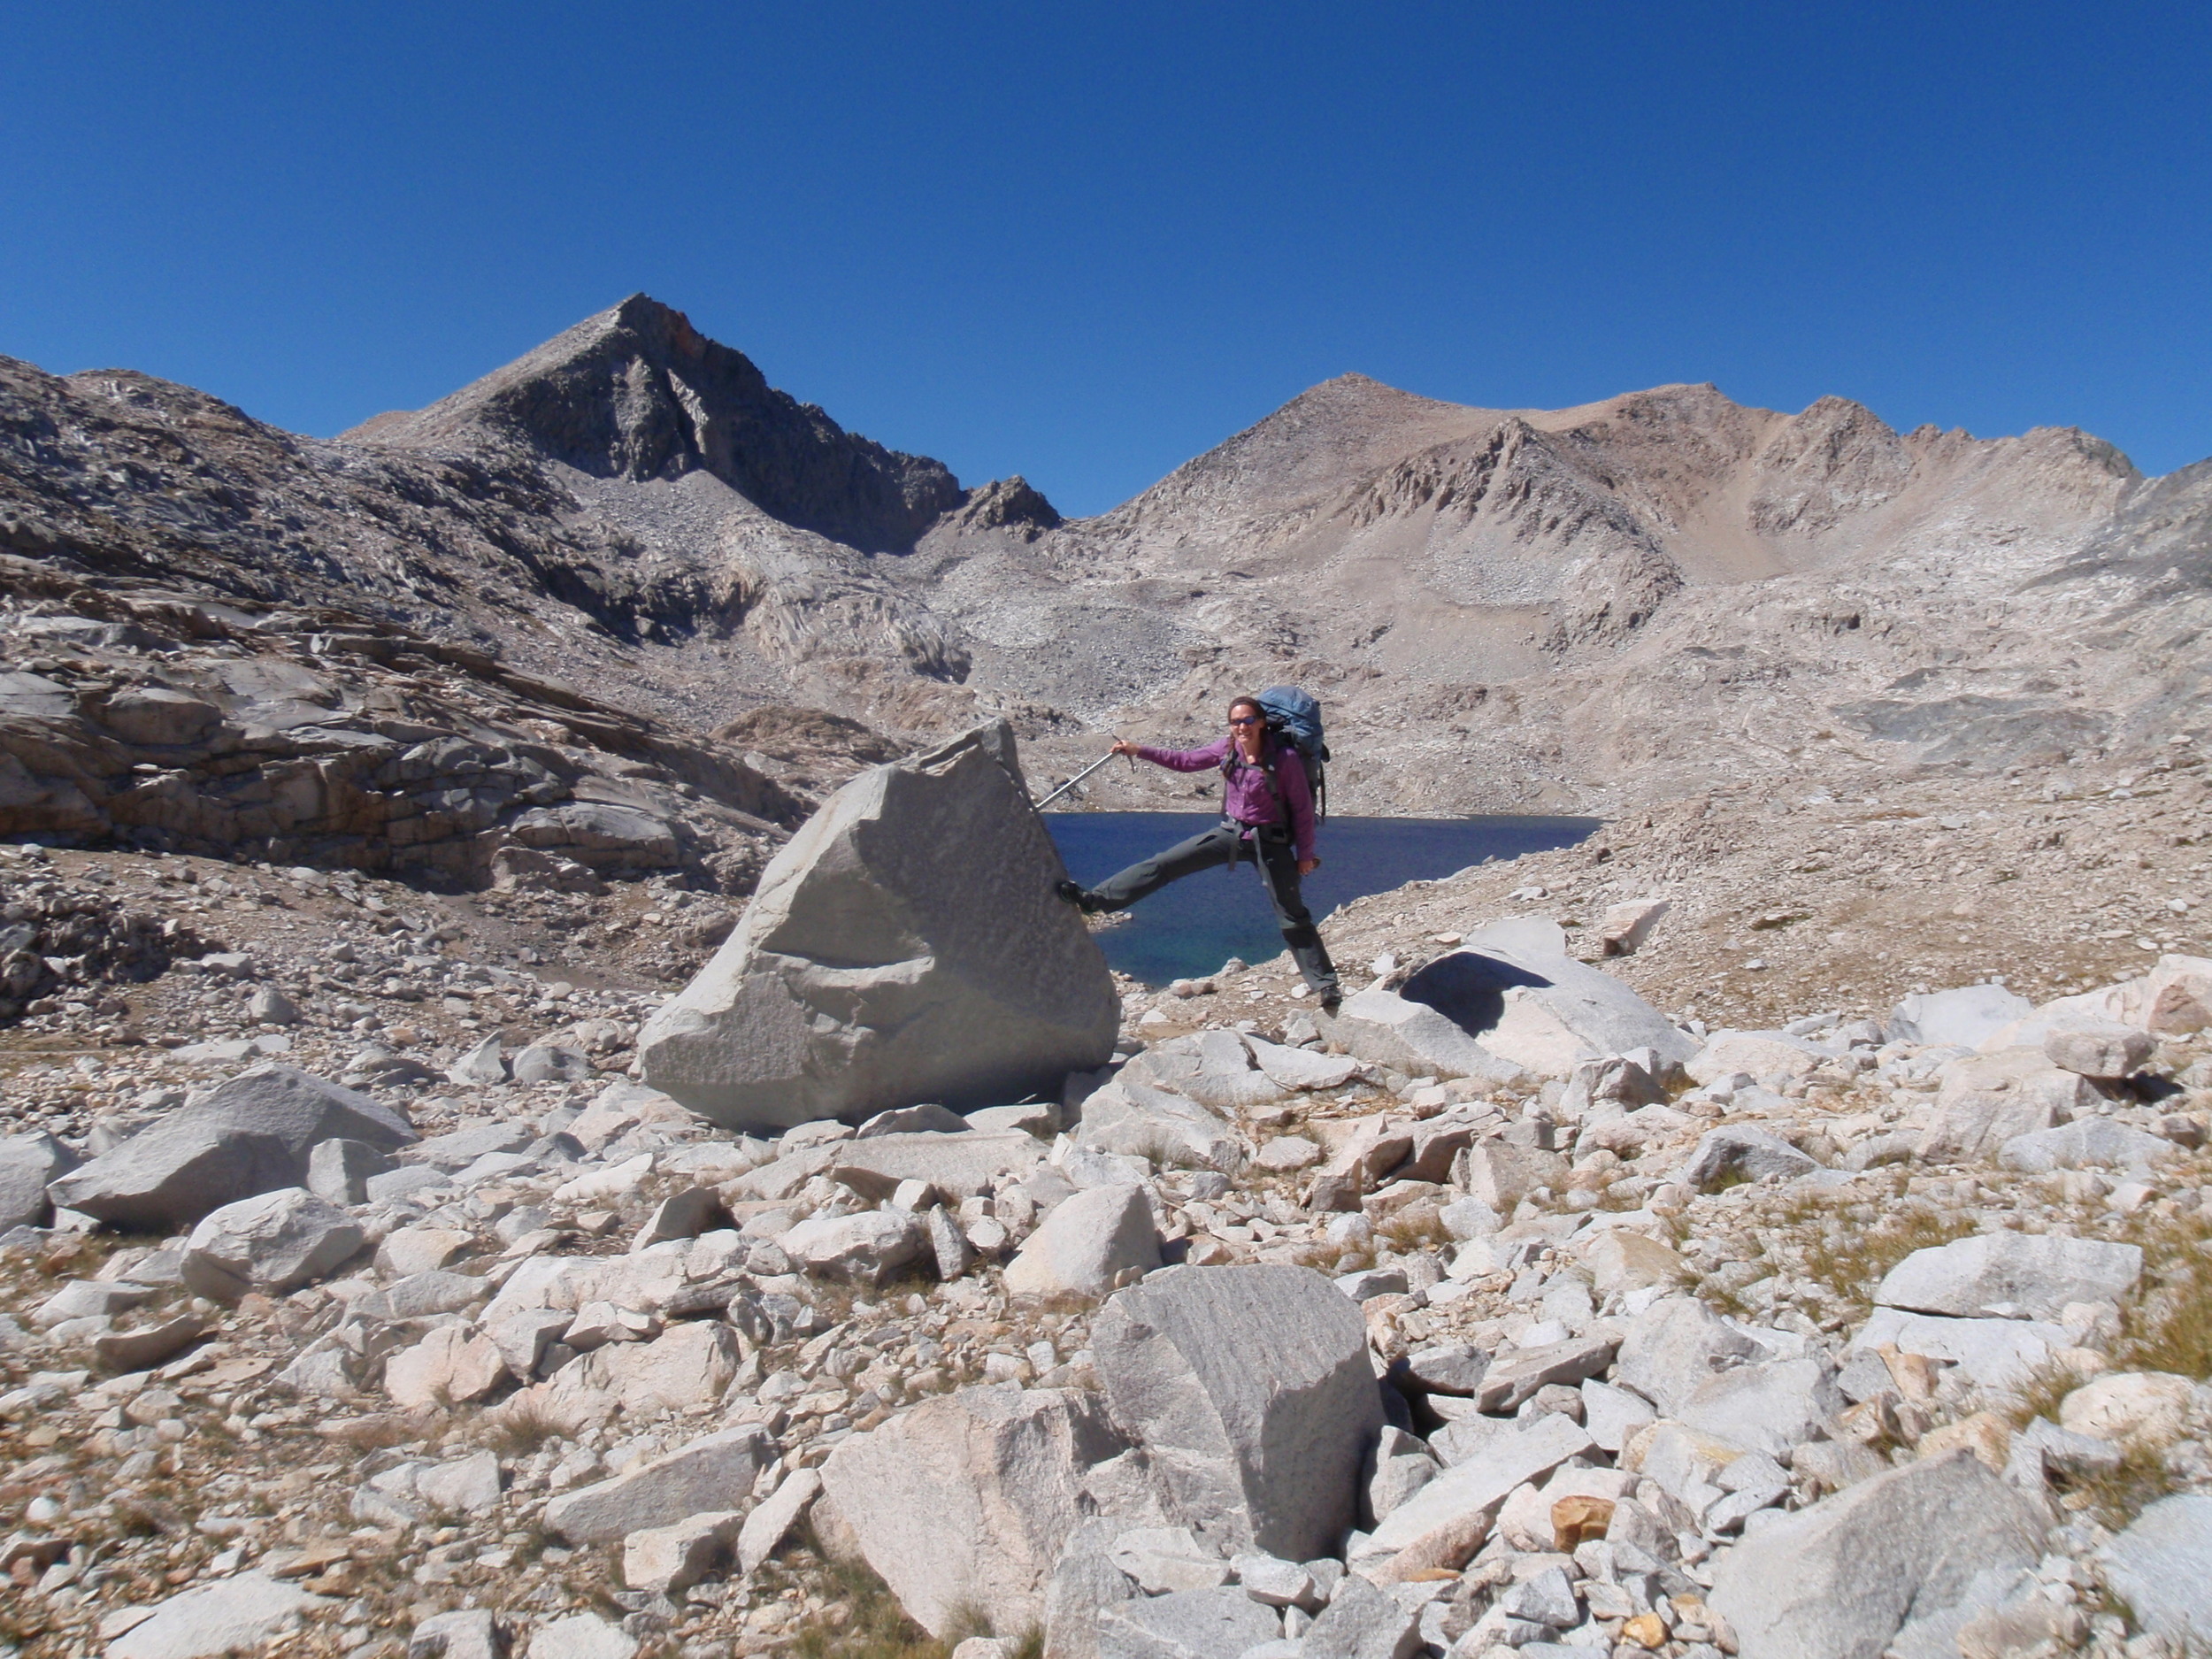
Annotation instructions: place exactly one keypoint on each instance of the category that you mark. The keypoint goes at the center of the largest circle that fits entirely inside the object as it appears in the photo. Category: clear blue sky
(1084, 242)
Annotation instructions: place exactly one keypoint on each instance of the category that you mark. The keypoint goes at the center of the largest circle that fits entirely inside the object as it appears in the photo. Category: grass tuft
(874, 1625)
(523, 1425)
(2167, 1323)
(2117, 1497)
(1851, 1265)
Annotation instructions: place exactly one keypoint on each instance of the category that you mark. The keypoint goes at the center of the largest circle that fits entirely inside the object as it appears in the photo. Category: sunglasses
(1244, 719)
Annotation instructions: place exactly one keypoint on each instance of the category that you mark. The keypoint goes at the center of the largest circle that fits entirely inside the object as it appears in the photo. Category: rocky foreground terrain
(1759, 1313)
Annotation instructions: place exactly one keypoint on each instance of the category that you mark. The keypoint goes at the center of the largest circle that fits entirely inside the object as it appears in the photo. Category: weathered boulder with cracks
(905, 946)
(1251, 1390)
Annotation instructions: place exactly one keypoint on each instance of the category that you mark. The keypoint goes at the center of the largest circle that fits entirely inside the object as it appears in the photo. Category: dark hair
(1252, 704)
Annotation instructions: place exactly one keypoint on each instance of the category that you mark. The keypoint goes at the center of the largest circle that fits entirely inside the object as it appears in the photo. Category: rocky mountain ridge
(1501, 608)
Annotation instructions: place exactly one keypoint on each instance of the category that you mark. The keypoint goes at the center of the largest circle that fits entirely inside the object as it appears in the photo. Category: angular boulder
(1251, 1390)
(1765, 1054)
(252, 1134)
(1838, 1580)
(1992, 1354)
(1771, 1408)
(2161, 1567)
(1385, 1028)
(1443, 1523)
(2177, 996)
(1085, 1244)
(1965, 1016)
(905, 946)
(1169, 1129)
(2100, 1048)
(1677, 1346)
(1218, 1623)
(2028, 1276)
(272, 1242)
(1987, 1099)
(1740, 1149)
(1625, 926)
(28, 1163)
(967, 1165)
(965, 1501)
(233, 1615)
(864, 1248)
(2088, 1143)
(714, 1472)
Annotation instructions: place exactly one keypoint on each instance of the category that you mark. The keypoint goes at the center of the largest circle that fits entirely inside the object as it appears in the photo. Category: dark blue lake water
(1193, 928)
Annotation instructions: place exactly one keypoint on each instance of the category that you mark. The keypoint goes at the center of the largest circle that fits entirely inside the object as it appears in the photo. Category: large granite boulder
(1251, 1390)
(251, 1135)
(1838, 1580)
(906, 946)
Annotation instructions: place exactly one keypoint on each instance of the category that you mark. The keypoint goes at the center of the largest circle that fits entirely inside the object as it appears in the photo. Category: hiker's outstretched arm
(1182, 759)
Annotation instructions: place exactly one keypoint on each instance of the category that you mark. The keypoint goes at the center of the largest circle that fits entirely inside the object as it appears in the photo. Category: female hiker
(1266, 815)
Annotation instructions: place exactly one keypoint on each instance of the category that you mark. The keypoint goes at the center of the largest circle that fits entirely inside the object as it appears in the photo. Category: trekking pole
(1071, 782)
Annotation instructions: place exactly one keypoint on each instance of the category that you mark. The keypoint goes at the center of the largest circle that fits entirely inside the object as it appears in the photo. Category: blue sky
(1084, 242)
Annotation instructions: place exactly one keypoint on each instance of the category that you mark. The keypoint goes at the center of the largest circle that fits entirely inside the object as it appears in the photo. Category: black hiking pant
(1226, 843)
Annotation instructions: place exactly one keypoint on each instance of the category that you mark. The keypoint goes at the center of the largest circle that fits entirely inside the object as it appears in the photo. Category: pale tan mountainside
(1614, 601)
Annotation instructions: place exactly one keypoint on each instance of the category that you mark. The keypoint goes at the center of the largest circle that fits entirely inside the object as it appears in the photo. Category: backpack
(1293, 718)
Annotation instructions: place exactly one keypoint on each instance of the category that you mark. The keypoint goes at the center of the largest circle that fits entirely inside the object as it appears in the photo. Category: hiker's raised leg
(1203, 852)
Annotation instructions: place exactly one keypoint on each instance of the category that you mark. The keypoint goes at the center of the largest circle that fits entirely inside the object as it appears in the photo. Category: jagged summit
(637, 393)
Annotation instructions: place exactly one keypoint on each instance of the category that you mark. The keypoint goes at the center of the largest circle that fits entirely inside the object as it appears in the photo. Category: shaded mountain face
(1501, 608)
(638, 393)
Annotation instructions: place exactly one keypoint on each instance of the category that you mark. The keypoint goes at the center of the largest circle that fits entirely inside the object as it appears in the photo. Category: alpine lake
(1189, 929)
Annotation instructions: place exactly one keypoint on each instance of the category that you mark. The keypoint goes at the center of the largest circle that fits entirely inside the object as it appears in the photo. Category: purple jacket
(1248, 799)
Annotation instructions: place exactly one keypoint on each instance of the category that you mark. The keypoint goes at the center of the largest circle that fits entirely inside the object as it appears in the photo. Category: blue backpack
(1293, 718)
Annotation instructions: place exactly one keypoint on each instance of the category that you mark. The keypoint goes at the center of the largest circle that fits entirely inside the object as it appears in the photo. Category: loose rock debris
(1864, 1327)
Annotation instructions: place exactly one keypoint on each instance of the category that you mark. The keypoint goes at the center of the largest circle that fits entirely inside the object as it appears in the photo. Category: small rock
(1087, 1244)
(271, 1007)
(769, 1524)
(542, 1062)
(670, 1559)
(480, 1067)
(582, 1636)
(467, 1634)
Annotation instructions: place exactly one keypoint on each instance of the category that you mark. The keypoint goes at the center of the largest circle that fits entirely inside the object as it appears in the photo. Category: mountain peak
(637, 392)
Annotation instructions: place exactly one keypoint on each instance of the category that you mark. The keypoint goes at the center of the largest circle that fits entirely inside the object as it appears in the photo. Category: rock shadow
(1469, 988)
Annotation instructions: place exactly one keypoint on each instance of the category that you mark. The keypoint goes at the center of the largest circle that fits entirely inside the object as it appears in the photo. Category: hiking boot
(1084, 901)
(1332, 1000)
